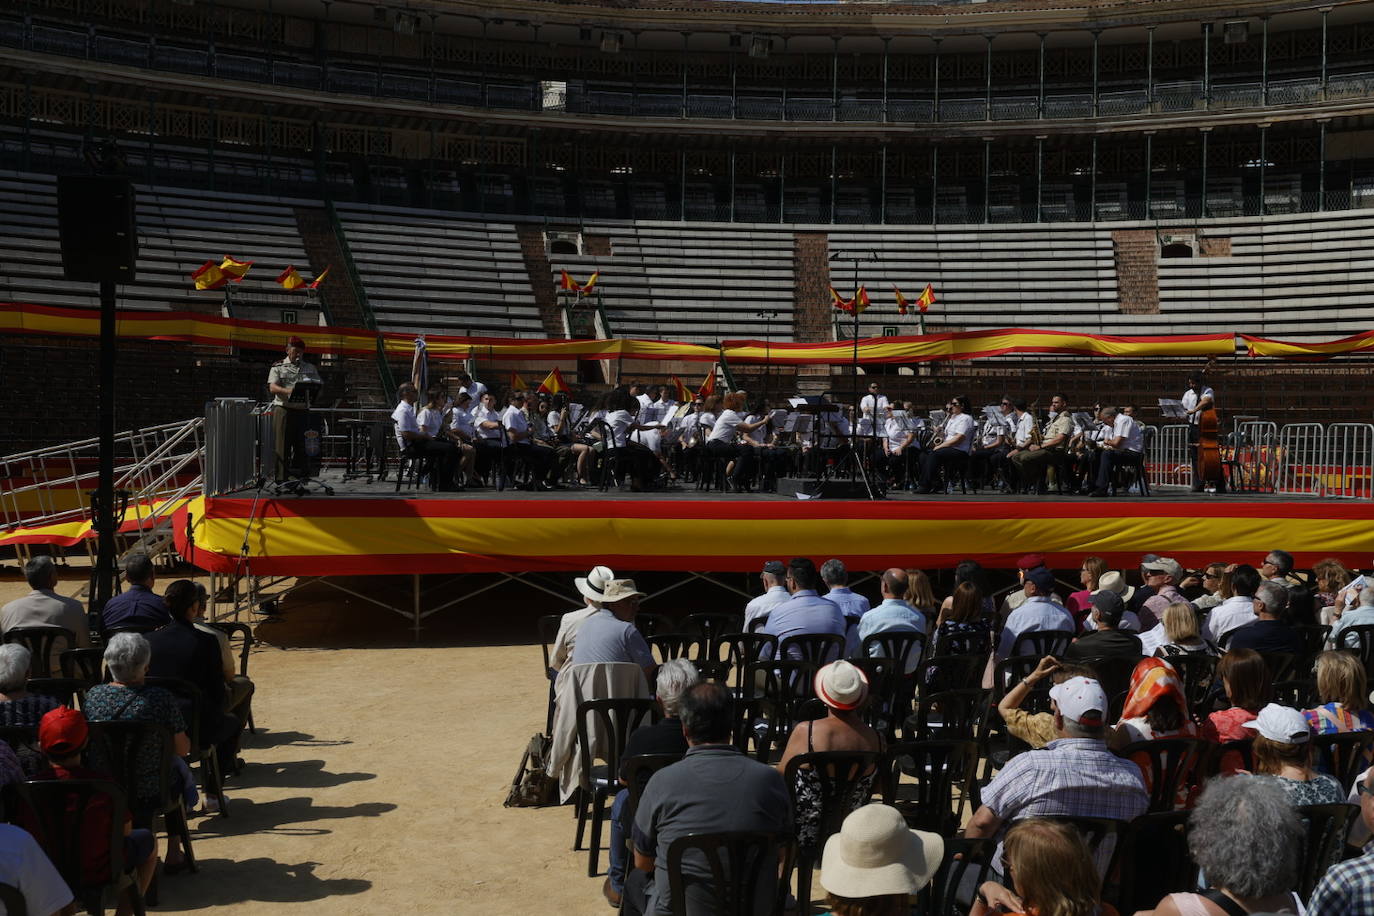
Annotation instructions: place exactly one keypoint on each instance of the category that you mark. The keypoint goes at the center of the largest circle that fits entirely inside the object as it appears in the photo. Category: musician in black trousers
(953, 448)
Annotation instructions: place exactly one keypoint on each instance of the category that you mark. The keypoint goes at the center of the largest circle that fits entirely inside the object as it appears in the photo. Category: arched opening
(1176, 250)
(562, 246)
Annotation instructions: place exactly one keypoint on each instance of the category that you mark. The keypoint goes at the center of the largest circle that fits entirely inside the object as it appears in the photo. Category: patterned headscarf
(1152, 680)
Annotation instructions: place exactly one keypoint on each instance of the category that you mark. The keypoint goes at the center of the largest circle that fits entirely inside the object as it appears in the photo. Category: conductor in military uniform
(288, 419)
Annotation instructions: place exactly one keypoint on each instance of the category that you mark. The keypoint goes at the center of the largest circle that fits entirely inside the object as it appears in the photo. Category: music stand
(296, 438)
(1173, 409)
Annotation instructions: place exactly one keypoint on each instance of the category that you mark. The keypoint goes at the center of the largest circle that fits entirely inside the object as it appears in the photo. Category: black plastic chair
(1280, 665)
(1040, 643)
(1170, 766)
(648, 623)
(839, 777)
(1345, 756)
(1326, 827)
(1296, 694)
(548, 633)
(666, 646)
(1238, 754)
(202, 751)
(56, 811)
(816, 648)
(122, 749)
(907, 645)
(1360, 639)
(1314, 638)
(713, 628)
(12, 899)
(86, 664)
(743, 865)
(744, 649)
(42, 643)
(638, 770)
(940, 897)
(1114, 674)
(948, 714)
(69, 691)
(1103, 838)
(888, 696)
(1152, 861)
(952, 672)
(616, 718)
(937, 768)
(1197, 670)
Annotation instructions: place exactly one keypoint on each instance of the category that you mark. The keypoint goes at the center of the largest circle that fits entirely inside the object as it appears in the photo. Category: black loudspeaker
(95, 219)
(822, 489)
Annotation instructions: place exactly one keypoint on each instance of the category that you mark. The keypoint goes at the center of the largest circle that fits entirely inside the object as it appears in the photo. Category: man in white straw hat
(876, 864)
(609, 635)
(591, 588)
(1113, 581)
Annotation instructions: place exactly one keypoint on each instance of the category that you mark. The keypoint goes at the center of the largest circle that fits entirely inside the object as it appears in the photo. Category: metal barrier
(1170, 461)
(1301, 453)
(1253, 456)
(1346, 466)
(230, 434)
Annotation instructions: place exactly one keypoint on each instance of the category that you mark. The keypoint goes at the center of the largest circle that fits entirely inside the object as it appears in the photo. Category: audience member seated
(1076, 775)
(920, 595)
(805, 612)
(965, 626)
(969, 572)
(1105, 640)
(1037, 614)
(128, 699)
(1089, 576)
(756, 612)
(853, 605)
(1343, 690)
(1017, 596)
(1283, 750)
(1156, 706)
(843, 689)
(1236, 611)
(18, 707)
(240, 687)
(1050, 870)
(1176, 634)
(1245, 682)
(1270, 631)
(1164, 576)
(675, 678)
(62, 736)
(44, 607)
(1247, 842)
(893, 615)
(1361, 615)
(26, 867)
(714, 789)
(139, 605)
(1113, 581)
(609, 635)
(1036, 728)
(875, 865)
(181, 651)
(1331, 578)
(1347, 889)
(593, 593)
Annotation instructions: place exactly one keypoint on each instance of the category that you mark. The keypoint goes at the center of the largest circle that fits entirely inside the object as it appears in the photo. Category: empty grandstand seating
(431, 272)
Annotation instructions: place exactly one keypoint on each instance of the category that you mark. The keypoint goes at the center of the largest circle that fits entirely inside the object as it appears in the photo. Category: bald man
(893, 615)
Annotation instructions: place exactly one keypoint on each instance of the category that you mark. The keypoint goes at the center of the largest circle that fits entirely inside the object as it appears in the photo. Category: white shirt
(460, 421)
(1129, 430)
(25, 866)
(1234, 612)
(724, 428)
(476, 389)
(404, 415)
(431, 420)
(896, 435)
(763, 604)
(620, 422)
(484, 414)
(1191, 399)
(956, 424)
(515, 421)
(867, 414)
(1024, 425)
(644, 400)
(1036, 615)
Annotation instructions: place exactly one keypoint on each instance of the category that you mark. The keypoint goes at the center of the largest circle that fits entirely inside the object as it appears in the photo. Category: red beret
(1030, 561)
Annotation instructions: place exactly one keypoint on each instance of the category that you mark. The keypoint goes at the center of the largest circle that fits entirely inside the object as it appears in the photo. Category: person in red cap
(1017, 597)
(62, 736)
(288, 419)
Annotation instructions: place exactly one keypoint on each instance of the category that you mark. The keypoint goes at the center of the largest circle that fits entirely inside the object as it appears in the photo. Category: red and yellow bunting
(1308, 350)
(381, 537)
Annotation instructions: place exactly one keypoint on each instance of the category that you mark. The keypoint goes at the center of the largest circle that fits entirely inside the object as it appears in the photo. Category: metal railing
(1348, 456)
(1252, 453)
(1301, 456)
(1170, 462)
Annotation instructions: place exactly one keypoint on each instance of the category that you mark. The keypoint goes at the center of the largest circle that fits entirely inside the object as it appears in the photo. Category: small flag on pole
(517, 383)
(683, 395)
(840, 302)
(291, 279)
(553, 383)
(568, 284)
(235, 268)
(591, 281)
(209, 276)
(927, 299)
(565, 282)
(708, 387)
(315, 283)
(861, 300)
(901, 300)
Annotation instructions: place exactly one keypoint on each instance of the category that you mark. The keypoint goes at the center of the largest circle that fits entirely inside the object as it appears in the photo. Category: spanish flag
(901, 300)
(209, 276)
(840, 302)
(861, 300)
(234, 268)
(708, 387)
(553, 383)
(927, 299)
(591, 281)
(565, 282)
(291, 278)
(683, 395)
(517, 383)
(568, 284)
(315, 283)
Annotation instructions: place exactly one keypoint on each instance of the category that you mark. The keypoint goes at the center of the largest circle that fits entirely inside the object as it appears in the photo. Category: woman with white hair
(128, 699)
(18, 707)
(1246, 838)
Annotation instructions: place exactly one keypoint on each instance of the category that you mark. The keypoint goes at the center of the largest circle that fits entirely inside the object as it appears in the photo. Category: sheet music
(777, 417)
(796, 402)
(1172, 408)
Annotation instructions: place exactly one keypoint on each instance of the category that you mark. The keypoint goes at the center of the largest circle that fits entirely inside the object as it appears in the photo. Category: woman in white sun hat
(875, 865)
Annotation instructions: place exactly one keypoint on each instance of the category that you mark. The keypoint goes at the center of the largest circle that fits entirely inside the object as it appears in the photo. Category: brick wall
(1137, 270)
(1214, 246)
(540, 273)
(597, 246)
(811, 297)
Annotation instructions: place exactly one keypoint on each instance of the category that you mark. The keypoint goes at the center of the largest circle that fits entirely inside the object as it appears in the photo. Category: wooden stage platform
(369, 529)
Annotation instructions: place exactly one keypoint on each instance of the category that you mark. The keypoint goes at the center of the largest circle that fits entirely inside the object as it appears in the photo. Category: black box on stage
(822, 489)
(95, 220)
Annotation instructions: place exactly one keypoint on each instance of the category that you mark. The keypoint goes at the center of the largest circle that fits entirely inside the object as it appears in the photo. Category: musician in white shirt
(1125, 443)
(418, 434)
(520, 443)
(954, 447)
(1197, 400)
(620, 424)
(461, 433)
(724, 441)
(871, 407)
(899, 443)
(490, 440)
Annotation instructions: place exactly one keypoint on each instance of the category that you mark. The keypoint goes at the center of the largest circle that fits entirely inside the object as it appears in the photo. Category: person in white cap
(876, 864)
(1283, 750)
(591, 588)
(1074, 776)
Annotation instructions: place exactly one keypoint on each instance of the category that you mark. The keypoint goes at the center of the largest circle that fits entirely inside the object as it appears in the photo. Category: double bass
(1208, 449)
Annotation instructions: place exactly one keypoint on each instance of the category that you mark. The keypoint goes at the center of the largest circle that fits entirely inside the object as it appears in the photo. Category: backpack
(533, 787)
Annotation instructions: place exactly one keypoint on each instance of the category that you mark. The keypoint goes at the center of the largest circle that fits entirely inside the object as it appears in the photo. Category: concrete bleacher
(428, 272)
(178, 231)
(698, 282)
